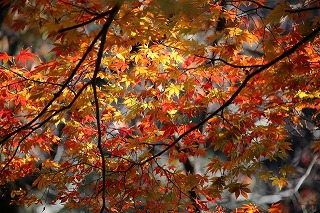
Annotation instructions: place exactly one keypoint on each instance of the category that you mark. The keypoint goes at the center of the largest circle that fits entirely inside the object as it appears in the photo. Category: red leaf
(25, 56)
(5, 57)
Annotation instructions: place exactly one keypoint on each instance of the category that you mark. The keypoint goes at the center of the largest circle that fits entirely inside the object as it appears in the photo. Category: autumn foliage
(155, 106)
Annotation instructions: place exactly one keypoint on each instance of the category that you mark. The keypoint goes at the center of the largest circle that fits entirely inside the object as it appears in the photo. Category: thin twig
(229, 64)
(102, 15)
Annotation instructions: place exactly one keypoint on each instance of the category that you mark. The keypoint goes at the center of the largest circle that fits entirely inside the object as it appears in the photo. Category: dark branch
(261, 5)
(43, 123)
(101, 15)
(288, 11)
(57, 94)
(104, 31)
(227, 63)
(236, 93)
(302, 9)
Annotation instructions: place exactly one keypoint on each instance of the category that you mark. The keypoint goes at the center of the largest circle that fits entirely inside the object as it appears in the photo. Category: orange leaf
(275, 208)
(25, 56)
(5, 57)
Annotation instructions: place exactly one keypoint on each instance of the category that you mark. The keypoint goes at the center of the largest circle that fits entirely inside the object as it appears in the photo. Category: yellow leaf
(152, 55)
(141, 70)
(49, 164)
(279, 181)
(172, 112)
(18, 192)
(130, 101)
(118, 55)
(175, 56)
(173, 90)
(136, 58)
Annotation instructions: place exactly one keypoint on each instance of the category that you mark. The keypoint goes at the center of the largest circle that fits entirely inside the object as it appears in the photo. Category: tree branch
(227, 63)
(236, 93)
(302, 9)
(306, 174)
(99, 16)
(289, 192)
(42, 123)
(298, 10)
(104, 31)
(57, 94)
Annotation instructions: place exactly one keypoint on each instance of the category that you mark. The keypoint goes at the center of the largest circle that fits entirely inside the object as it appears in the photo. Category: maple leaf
(19, 24)
(5, 57)
(24, 56)
(248, 208)
(280, 181)
(173, 90)
(239, 189)
(275, 208)
(140, 94)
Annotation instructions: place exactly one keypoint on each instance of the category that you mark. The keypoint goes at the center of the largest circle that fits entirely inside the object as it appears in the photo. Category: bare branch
(306, 174)
(302, 9)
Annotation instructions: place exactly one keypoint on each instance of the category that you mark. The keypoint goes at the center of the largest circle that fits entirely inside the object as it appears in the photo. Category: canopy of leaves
(155, 106)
